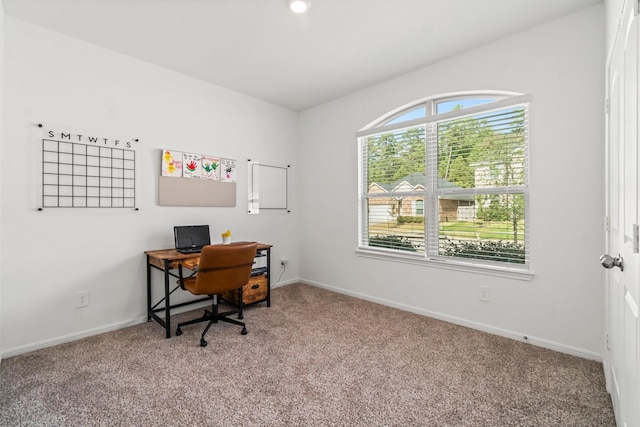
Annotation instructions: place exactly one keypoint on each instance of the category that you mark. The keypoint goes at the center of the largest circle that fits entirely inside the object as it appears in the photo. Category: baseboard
(285, 283)
(551, 345)
(71, 337)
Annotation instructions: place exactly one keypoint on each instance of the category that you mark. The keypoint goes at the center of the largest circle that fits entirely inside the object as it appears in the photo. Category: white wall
(48, 256)
(1, 149)
(561, 65)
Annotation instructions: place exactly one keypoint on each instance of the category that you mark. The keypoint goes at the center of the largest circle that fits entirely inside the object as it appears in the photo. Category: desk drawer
(255, 290)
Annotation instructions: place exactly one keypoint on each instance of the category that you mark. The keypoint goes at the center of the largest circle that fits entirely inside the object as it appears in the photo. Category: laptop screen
(191, 236)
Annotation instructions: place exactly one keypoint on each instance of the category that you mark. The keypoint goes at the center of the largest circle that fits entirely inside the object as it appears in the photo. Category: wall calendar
(87, 171)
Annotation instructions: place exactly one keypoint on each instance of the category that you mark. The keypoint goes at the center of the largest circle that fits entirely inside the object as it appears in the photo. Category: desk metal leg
(167, 293)
(268, 277)
(149, 310)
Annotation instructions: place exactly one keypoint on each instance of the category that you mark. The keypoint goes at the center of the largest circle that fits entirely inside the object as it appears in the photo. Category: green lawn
(481, 230)
(456, 230)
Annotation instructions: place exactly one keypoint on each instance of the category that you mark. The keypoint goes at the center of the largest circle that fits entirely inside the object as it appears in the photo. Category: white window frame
(430, 257)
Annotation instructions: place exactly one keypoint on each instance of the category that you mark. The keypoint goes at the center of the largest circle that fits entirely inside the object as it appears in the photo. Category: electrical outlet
(484, 293)
(283, 261)
(82, 299)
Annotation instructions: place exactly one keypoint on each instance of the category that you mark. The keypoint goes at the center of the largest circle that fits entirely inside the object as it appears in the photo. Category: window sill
(492, 270)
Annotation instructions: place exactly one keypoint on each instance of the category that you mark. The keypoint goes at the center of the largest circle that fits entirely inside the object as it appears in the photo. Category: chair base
(212, 317)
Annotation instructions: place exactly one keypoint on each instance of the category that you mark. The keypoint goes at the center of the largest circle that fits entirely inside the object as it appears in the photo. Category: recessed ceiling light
(298, 6)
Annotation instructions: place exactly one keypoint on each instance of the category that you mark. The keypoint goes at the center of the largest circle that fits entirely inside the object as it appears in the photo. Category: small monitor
(191, 238)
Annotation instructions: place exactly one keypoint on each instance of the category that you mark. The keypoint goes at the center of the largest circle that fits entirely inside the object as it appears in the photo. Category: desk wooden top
(159, 256)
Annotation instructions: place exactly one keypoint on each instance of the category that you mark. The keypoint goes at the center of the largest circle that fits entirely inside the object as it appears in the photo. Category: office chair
(221, 268)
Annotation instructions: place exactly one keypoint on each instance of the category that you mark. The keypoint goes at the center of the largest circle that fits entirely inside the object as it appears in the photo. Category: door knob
(608, 261)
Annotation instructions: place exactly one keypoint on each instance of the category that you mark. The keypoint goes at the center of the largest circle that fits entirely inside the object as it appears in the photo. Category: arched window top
(432, 108)
(407, 114)
(458, 103)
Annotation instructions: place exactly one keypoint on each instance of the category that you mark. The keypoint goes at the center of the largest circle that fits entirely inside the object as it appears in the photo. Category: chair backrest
(224, 267)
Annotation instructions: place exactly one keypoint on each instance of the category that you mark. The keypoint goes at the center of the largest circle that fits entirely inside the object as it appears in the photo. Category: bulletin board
(195, 192)
(191, 179)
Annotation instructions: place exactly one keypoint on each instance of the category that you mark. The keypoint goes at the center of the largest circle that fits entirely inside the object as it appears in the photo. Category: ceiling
(260, 48)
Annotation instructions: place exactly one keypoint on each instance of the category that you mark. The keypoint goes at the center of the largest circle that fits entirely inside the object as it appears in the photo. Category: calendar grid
(76, 175)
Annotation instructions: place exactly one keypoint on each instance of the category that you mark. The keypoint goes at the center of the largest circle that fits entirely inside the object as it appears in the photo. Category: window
(418, 207)
(446, 179)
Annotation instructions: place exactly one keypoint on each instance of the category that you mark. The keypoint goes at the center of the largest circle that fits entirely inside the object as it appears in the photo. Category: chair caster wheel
(178, 331)
(203, 343)
(240, 317)
(244, 331)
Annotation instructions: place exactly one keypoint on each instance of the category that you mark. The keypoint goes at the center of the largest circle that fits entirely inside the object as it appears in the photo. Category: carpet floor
(314, 358)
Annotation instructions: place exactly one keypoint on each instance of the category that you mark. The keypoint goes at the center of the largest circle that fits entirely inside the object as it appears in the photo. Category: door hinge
(606, 103)
(607, 224)
(636, 239)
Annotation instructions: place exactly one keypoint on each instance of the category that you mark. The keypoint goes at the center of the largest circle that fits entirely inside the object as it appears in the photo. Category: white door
(622, 354)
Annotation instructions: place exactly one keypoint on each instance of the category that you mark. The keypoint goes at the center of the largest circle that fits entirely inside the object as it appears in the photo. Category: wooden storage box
(255, 290)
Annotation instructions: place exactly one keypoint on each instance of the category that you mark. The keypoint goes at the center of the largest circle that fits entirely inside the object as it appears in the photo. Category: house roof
(418, 180)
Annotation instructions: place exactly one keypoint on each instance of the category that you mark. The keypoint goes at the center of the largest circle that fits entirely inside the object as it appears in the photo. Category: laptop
(191, 238)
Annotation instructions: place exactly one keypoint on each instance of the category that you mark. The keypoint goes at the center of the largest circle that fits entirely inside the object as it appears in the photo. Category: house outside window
(446, 179)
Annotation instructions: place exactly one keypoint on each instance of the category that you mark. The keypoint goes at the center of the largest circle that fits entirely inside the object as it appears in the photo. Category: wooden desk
(167, 260)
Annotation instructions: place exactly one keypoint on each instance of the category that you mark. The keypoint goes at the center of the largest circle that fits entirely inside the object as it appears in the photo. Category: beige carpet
(314, 358)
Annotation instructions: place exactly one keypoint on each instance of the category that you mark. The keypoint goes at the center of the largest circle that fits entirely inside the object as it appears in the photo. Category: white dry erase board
(268, 187)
